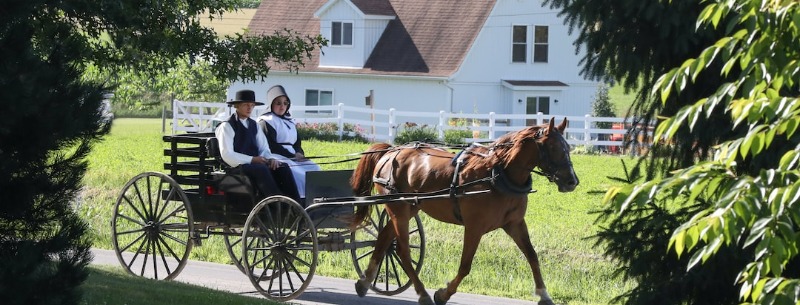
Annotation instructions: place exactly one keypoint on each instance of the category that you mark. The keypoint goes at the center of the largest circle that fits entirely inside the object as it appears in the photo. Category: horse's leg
(519, 233)
(401, 214)
(382, 243)
(472, 238)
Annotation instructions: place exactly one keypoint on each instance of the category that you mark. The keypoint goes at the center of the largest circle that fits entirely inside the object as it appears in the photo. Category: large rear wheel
(152, 227)
(233, 243)
(279, 248)
(391, 278)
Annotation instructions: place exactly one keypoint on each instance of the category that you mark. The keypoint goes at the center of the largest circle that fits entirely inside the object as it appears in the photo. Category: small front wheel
(391, 279)
(279, 248)
(152, 227)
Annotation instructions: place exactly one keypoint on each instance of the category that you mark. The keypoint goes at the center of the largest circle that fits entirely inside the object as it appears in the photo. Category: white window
(316, 97)
(519, 43)
(341, 33)
(540, 38)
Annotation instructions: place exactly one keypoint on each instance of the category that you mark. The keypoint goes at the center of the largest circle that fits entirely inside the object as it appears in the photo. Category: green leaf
(778, 248)
(696, 258)
(786, 230)
(662, 128)
(791, 195)
(762, 249)
(775, 265)
(745, 148)
(756, 292)
(789, 160)
(692, 237)
(665, 90)
(717, 15)
(611, 194)
(757, 143)
(678, 240)
(768, 137)
(791, 126)
(696, 189)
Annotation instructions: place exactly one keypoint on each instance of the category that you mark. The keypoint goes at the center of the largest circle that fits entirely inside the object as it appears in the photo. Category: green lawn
(621, 100)
(575, 271)
(111, 286)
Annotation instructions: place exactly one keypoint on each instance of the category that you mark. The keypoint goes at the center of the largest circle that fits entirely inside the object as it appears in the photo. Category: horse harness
(498, 178)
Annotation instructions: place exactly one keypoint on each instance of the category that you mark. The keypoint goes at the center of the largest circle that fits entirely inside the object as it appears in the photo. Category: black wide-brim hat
(245, 96)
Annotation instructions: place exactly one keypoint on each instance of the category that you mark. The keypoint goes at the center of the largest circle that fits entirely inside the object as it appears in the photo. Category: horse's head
(554, 160)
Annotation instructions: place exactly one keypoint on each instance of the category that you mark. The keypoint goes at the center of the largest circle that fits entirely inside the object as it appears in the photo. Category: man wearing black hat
(242, 143)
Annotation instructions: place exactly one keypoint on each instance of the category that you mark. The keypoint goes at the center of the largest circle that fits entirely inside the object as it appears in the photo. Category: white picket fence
(383, 125)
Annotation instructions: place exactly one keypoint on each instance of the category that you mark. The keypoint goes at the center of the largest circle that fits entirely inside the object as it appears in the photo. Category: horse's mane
(504, 149)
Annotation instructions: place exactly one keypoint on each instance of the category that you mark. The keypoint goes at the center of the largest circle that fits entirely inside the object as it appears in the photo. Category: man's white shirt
(225, 134)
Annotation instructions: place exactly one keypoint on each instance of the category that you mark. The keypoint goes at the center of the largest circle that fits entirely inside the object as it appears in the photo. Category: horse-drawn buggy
(275, 241)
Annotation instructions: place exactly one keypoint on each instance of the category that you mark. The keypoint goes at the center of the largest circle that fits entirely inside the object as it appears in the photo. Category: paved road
(321, 291)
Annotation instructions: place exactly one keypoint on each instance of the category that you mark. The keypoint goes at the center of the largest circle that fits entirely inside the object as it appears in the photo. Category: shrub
(415, 133)
(456, 136)
(329, 132)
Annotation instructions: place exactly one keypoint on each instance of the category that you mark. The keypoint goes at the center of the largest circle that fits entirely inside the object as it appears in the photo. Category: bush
(456, 137)
(329, 132)
(416, 133)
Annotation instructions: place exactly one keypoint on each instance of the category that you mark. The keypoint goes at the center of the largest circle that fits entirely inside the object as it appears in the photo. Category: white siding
(373, 31)
(477, 87)
(343, 56)
(489, 62)
(402, 94)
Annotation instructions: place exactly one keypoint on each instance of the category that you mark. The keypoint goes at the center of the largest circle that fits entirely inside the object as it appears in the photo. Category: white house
(459, 56)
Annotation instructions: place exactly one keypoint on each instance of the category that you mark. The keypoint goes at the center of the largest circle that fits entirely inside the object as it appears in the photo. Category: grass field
(111, 286)
(574, 270)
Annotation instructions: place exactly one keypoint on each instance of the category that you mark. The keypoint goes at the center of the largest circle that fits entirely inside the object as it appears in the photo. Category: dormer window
(341, 33)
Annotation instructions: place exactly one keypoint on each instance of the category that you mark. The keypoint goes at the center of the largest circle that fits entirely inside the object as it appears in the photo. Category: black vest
(244, 139)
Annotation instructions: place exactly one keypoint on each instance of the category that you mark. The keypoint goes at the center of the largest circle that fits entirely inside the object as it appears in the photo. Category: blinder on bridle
(549, 167)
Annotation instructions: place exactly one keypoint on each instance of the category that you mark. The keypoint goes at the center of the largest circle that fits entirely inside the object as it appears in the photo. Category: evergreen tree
(632, 42)
(602, 107)
(51, 117)
(727, 94)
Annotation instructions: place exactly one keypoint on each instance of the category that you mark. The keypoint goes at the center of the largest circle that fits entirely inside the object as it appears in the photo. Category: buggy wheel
(279, 248)
(233, 243)
(391, 278)
(152, 227)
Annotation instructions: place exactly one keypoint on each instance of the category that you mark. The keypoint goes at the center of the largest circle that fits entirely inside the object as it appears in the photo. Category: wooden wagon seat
(228, 179)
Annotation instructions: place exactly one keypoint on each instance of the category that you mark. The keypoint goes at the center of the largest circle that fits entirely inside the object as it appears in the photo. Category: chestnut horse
(504, 167)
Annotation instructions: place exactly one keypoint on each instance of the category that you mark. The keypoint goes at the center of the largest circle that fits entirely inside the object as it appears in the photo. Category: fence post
(441, 125)
(491, 125)
(199, 124)
(174, 115)
(340, 119)
(163, 119)
(539, 118)
(587, 124)
(392, 126)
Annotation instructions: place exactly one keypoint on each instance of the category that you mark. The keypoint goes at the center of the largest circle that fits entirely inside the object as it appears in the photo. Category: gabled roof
(428, 37)
(374, 7)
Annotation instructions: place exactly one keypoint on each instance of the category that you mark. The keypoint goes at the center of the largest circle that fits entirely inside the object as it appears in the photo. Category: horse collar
(501, 182)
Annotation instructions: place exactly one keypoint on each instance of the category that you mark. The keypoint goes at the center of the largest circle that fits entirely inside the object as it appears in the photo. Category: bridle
(549, 168)
(546, 161)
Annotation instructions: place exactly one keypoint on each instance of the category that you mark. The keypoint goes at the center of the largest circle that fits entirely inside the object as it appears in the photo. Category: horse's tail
(361, 181)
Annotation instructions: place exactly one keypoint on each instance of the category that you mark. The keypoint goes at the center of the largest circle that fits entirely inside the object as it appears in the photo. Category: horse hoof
(546, 302)
(425, 300)
(437, 297)
(361, 288)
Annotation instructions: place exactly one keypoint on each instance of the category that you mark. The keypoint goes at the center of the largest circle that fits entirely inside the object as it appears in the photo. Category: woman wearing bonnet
(281, 132)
